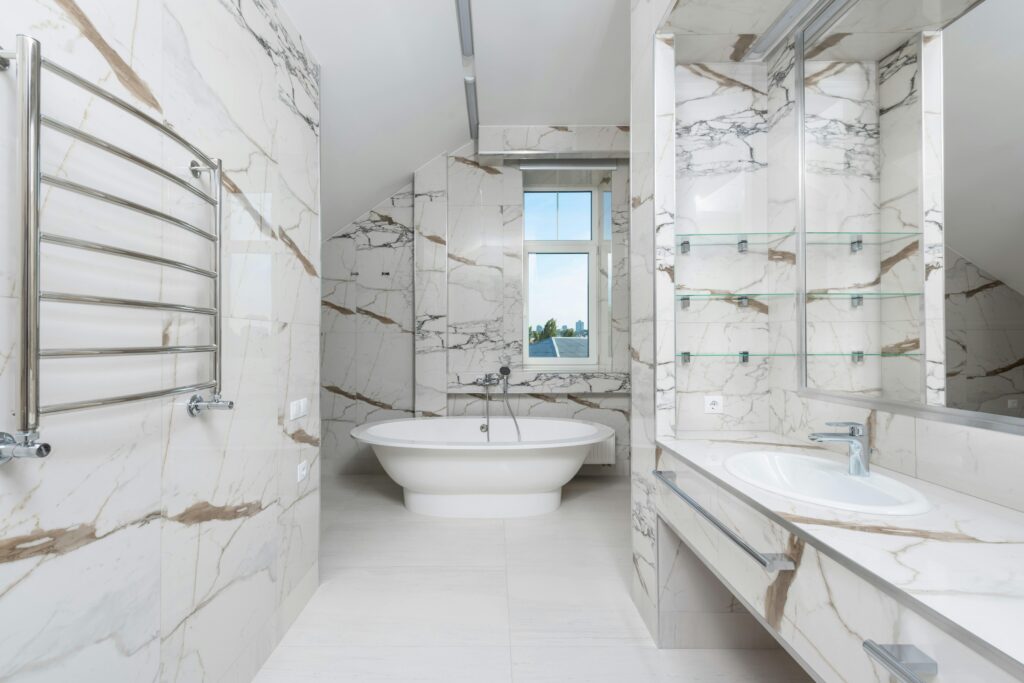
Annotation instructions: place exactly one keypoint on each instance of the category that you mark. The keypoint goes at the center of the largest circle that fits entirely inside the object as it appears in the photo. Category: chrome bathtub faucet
(487, 381)
(857, 440)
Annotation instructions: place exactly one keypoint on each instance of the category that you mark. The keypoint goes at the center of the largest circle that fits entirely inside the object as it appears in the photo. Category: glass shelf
(857, 299)
(736, 295)
(740, 299)
(743, 240)
(745, 356)
(739, 240)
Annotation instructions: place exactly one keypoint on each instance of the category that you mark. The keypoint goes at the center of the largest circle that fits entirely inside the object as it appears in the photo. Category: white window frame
(595, 248)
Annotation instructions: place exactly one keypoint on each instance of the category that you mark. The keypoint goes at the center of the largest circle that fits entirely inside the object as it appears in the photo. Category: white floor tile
(406, 606)
(412, 598)
(449, 543)
(400, 664)
(618, 664)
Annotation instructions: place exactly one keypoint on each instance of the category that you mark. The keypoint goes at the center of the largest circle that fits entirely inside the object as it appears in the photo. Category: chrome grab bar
(905, 662)
(770, 562)
(30, 63)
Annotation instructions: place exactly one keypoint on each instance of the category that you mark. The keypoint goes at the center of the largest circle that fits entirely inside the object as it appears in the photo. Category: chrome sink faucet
(857, 440)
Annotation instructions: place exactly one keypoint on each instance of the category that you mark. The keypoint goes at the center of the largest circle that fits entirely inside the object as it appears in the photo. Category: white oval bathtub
(447, 468)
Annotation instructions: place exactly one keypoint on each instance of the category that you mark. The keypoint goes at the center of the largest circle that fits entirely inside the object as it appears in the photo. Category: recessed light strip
(779, 29)
(465, 17)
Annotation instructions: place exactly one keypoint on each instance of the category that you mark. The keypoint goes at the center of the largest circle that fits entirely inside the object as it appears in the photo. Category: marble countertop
(961, 564)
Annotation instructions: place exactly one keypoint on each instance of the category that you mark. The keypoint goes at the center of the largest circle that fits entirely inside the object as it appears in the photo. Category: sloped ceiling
(392, 95)
(392, 89)
(552, 62)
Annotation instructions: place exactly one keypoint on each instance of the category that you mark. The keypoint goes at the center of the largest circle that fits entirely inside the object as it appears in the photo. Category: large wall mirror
(913, 204)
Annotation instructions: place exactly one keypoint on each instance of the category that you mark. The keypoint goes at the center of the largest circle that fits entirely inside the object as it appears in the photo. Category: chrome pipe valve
(22, 445)
(197, 404)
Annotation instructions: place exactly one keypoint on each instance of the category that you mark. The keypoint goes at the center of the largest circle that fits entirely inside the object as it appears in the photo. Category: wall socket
(302, 472)
(713, 405)
(298, 408)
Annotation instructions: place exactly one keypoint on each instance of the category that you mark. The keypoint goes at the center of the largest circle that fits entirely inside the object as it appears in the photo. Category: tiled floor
(410, 598)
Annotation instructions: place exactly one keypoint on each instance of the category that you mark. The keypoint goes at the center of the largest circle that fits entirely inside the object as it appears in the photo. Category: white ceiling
(552, 62)
(391, 81)
(391, 95)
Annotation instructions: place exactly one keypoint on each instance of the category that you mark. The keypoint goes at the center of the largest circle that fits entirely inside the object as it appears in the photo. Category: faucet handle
(856, 428)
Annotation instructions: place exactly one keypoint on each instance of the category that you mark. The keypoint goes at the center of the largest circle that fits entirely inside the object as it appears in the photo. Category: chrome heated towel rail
(24, 442)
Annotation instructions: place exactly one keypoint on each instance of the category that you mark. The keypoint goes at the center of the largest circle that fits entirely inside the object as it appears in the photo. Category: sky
(558, 289)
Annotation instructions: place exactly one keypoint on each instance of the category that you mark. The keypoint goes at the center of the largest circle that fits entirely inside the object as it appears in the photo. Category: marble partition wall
(645, 18)
(368, 330)
(151, 546)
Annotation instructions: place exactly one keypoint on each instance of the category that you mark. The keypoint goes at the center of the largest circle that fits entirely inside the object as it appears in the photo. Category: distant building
(580, 330)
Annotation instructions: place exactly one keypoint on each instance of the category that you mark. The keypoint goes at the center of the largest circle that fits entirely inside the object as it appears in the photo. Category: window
(565, 231)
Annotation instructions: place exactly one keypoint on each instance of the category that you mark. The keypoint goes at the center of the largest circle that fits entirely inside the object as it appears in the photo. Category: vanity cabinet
(821, 610)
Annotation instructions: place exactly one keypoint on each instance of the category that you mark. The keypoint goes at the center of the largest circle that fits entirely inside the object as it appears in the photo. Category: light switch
(713, 404)
(298, 408)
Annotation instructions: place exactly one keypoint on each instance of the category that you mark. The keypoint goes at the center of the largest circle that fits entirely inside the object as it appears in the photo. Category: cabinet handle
(770, 562)
(905, 662)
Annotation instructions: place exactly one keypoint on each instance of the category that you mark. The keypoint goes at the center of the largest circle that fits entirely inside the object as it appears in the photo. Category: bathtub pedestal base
(485, 505)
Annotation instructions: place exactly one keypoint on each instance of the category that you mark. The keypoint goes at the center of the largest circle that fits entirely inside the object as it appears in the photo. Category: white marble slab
(958, 565)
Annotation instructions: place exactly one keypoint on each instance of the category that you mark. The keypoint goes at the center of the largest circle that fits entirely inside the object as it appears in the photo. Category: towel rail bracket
(198, 404)
(22, 445)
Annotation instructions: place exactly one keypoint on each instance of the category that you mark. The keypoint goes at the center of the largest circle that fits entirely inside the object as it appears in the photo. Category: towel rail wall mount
(25, 442)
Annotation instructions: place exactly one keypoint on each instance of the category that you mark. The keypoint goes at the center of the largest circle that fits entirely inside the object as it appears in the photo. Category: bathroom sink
(827, 483)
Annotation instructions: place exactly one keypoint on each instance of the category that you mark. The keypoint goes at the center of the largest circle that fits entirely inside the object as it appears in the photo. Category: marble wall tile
(368, 330)
(430, 222)
(564, 141)
(151, 546)
(978, 462)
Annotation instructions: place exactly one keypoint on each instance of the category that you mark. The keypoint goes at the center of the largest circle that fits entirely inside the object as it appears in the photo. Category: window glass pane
(540, 215)
(606, 214)
(574, 216)
(558, 306)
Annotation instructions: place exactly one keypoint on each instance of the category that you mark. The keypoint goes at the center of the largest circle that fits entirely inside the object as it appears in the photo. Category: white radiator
(602, 453)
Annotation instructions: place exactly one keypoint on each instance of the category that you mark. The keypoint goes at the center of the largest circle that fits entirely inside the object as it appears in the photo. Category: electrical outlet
(298, 408)
(303, 471)
(713, 405)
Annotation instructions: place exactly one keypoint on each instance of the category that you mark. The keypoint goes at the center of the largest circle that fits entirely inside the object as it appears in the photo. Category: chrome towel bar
(124, 351)
(66, 298)
(125, 253)
(770, 562)
(125, 203)
(905, 662)
(24, 441)
(111, 148)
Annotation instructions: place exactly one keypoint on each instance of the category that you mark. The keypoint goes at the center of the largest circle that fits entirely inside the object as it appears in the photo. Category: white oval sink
(823, 482)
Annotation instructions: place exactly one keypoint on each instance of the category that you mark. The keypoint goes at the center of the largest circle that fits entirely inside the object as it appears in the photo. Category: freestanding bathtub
(447, 467)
